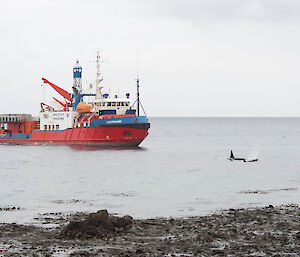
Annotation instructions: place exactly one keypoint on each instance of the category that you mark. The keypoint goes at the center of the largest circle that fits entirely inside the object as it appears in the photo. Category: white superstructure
(57, 120)
(120, 105)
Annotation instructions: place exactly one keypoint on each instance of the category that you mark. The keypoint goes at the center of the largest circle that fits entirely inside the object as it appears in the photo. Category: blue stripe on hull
(122, 120)
(15, 135)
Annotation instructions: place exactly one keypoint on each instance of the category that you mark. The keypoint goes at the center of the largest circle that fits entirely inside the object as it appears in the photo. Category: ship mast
(137, 86)
(77, 85)
(99, 78)
(138, 95)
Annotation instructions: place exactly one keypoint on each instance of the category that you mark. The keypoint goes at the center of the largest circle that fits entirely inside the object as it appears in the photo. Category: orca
(232, 158)
(252, 160)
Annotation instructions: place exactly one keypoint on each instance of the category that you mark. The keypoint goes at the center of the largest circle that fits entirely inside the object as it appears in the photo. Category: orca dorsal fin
(231, 154)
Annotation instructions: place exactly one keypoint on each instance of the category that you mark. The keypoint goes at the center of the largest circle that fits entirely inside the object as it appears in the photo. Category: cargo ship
(103, 119)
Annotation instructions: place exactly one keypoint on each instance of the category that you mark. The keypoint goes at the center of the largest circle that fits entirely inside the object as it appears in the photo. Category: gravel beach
(267, 231)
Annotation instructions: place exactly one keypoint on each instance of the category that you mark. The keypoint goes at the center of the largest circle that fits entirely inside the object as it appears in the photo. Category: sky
(195, 58)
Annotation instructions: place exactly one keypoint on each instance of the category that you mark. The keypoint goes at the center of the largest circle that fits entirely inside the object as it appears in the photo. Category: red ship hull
(102, 136)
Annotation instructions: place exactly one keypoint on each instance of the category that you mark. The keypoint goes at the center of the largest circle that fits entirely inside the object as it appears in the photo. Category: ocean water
(181, 169)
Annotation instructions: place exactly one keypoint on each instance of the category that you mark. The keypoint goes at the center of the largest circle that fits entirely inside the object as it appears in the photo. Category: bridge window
(45, 127)
(108, 103)
(52, 127)
(57, 127)
(127, 104)
(113, 104)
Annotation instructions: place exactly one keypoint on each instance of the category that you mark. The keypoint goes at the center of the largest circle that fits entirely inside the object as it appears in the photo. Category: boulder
(97, 225)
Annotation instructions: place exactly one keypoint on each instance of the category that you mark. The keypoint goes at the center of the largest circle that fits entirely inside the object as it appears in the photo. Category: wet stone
(96, 225)
(245, 232)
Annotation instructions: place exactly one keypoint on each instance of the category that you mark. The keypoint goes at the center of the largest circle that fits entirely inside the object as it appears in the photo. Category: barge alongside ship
(102, 120)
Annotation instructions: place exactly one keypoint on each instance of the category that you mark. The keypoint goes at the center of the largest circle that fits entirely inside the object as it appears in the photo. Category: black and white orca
(232, 158)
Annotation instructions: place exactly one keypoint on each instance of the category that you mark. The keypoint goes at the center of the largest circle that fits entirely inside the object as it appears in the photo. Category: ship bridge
(117, 104)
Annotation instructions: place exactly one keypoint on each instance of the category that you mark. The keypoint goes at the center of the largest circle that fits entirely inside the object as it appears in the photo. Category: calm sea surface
(180, 170)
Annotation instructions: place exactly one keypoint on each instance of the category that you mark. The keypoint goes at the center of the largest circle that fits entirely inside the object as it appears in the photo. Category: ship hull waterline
(113, 136)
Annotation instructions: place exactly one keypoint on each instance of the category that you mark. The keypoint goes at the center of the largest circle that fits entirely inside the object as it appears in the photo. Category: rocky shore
(267, 231)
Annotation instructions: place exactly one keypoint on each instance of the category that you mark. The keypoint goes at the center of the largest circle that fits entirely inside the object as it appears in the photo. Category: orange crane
(59, 90)
(61, 103)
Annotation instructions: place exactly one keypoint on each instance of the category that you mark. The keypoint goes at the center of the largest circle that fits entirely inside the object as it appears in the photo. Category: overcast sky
(195, 57)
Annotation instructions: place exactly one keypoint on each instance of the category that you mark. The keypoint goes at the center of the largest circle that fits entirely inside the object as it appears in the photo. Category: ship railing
(89, 120)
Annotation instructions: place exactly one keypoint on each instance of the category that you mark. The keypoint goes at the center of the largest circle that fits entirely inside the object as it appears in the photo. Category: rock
(139, 251)
(121, 222)
(220, 234)
(96, 225)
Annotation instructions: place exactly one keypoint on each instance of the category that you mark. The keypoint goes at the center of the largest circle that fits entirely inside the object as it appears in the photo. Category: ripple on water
(268, 191)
